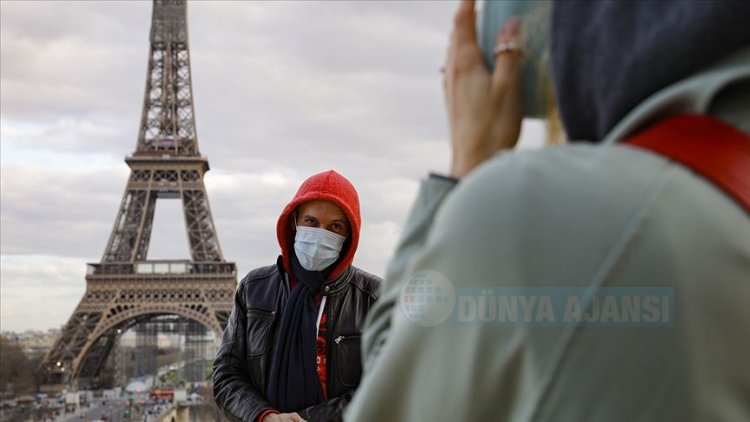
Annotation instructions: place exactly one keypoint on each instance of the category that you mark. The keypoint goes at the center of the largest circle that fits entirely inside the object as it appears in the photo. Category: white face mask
(317, 248)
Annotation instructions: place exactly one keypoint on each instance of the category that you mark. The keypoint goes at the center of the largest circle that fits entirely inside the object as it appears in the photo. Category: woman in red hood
(291, 349)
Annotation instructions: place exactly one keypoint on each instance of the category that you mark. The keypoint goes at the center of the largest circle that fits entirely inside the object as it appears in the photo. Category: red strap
(711, 148)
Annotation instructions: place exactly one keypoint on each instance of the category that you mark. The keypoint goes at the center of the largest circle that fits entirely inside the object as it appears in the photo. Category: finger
(463, 50)
(448, 60)
(464, 23)
(464, 53)
(448, 66)
(507, 62)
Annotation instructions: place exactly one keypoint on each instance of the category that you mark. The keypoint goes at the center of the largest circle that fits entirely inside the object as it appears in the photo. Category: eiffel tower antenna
(126, 288)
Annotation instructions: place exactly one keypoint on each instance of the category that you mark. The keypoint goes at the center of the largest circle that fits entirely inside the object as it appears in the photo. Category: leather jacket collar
(330, 288)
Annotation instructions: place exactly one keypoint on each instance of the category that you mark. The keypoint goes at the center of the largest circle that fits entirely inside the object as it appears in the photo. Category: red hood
(328, 186)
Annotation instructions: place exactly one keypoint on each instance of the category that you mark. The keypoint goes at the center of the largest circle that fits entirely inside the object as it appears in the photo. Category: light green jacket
(579, 215)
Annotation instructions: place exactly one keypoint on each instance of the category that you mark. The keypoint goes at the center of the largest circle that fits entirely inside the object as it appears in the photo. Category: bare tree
(16, 375)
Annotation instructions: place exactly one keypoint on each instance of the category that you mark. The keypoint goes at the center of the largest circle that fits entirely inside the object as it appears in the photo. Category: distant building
(34, 341)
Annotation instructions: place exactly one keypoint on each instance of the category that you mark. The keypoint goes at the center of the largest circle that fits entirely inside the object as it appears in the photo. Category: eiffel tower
(126, 288)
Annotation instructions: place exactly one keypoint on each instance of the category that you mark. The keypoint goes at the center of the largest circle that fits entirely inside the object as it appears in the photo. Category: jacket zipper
(261, 311)
(330, 303)
(343, 337)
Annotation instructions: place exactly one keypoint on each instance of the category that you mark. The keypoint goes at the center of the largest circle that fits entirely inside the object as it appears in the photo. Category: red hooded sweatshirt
(333, 187)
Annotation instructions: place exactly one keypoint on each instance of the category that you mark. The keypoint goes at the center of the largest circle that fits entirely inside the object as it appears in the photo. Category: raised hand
(484, 109)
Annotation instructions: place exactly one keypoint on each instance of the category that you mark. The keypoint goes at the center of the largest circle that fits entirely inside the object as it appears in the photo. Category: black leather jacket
(243, 362)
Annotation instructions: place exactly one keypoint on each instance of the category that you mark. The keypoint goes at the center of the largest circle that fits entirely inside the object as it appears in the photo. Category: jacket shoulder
(366, 282)
(562, 208)
(260, 287)
(259, 274)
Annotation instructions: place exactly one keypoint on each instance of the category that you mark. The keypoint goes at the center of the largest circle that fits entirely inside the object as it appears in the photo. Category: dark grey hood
(609, 56)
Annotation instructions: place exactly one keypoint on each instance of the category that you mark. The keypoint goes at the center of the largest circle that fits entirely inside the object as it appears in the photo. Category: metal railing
(162, 267)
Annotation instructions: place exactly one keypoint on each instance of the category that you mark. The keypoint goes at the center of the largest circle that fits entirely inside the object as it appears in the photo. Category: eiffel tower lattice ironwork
(126, 288)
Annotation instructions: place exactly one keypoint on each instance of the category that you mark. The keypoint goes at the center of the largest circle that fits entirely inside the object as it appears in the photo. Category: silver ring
(506, 46)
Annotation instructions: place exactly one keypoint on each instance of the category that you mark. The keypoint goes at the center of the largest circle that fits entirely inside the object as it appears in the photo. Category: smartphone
(534, 15)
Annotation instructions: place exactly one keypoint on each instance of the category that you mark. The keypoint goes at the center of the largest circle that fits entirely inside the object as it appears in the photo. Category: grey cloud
(282, 91)
(57, 213)
(67, 59)
(30, 281)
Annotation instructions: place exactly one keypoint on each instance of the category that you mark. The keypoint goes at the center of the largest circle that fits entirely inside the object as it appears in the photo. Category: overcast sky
(282, 91)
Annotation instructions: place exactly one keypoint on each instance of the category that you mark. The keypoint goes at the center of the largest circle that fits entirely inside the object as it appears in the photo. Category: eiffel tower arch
(126, 288)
